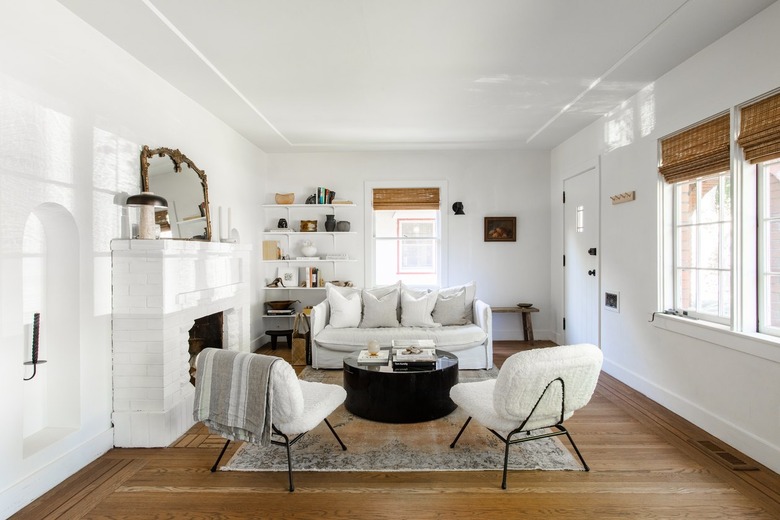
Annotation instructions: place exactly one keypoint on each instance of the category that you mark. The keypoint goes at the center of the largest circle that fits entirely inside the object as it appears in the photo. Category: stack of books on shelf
(324, 195)
(281, 312)
(308, 277)
(413, 357)
(380, 358)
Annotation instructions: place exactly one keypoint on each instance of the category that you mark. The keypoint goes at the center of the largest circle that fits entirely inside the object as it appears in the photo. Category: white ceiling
(306, 75)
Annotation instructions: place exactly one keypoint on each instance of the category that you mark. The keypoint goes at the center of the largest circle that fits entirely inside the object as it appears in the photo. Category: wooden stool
(287, 333)
(525, 314)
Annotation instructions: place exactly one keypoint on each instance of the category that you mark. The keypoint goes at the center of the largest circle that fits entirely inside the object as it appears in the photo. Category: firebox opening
(205, 333)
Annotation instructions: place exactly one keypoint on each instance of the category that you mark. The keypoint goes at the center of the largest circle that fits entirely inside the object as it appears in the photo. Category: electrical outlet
(612, 301)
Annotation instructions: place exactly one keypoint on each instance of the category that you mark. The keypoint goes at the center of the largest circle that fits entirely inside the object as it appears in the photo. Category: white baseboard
(759, 449)
(22, 493)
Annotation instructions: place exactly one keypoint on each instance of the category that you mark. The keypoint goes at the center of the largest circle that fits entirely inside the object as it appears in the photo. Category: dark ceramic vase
(330, 222)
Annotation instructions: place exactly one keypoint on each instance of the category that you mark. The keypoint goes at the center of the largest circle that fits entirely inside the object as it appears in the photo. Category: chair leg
(506, 461)
(343, 448)
(460, 432)
(577, 450)
(289, 459)
(214, 467)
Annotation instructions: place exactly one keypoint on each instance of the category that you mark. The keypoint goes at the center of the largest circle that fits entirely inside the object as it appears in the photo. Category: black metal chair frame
(286, 443)
(508, 441)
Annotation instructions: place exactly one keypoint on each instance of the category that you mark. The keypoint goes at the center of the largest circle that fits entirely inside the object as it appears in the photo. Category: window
(723, 260)
(702, 247)
(417, 248)
(769, 245)
(406, 242)
(696, 163)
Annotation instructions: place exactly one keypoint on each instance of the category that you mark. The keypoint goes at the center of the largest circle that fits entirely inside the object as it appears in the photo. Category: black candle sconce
(35, 361)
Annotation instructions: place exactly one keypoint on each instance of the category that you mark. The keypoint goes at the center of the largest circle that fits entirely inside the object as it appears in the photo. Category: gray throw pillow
(450, 308)
(380, 311)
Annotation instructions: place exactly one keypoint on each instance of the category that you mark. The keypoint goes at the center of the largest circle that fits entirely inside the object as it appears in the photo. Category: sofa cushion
(450, 309)
(451, 338)
(445, 311)
(416, 308)
(380, 310)
(345, 307)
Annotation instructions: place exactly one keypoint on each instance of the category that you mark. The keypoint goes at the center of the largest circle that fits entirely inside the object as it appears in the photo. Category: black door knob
(592, 272)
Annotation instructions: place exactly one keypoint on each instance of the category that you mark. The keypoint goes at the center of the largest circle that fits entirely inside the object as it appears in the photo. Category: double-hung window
(759, 139)
(406, 242)
(702, 248)
(696, 163)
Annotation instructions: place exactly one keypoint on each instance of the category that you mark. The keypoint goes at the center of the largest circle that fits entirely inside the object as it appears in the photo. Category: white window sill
(752, 343)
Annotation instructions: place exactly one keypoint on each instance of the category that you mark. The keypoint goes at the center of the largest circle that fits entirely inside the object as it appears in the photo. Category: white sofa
(472, 341)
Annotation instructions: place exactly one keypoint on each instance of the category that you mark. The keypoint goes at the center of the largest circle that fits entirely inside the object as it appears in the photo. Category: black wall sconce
(458, 208)
(35, 361)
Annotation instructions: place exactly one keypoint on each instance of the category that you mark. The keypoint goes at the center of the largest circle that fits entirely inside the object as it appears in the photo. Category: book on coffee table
(381, 358)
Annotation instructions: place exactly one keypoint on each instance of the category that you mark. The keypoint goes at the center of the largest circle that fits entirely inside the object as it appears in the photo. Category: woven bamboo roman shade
(406, 198)
(759, 130)
(701, 150)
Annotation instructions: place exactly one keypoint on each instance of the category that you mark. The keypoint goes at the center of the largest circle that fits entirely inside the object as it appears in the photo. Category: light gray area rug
(382, 447)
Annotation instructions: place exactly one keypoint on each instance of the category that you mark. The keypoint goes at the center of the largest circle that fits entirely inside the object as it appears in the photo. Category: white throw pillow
(416, 308)
(470, 293)
(450, 308)
(380, 308)
(345, 308)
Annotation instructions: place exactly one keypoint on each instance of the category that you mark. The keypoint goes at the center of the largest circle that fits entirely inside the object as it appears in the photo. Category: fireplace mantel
(159, 289)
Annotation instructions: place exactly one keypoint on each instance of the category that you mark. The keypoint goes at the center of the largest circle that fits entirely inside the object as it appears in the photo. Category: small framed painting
(289, 276)
(500, 229)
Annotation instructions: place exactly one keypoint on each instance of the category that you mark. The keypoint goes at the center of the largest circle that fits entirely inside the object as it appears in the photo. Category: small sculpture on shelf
(276, 283)
(308, 249)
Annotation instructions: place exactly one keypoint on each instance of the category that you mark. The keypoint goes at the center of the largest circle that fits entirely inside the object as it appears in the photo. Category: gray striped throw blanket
(233, 394)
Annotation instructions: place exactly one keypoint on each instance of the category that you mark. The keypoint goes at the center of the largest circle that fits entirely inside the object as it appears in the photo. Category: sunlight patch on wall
(633, 119)
(37, 140)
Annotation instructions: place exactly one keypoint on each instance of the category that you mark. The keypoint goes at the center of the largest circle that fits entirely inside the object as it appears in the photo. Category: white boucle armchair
(535, 390)
(295, 406)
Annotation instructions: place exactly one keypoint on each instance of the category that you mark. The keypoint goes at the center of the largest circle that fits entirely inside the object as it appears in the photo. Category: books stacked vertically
(380, 358)
(308, 277)
(324, 195)
(414, 358)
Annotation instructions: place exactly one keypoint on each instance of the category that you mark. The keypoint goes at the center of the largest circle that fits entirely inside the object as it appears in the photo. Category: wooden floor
(645, 462)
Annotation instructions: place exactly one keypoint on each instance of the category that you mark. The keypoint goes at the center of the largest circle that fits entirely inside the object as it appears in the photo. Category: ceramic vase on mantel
(343, 226)
(330, 222)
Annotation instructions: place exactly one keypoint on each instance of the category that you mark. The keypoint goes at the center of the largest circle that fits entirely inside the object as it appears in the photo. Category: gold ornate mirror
(187, 216)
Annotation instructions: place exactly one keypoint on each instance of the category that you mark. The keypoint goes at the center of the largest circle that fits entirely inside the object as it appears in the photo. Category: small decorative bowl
(279, 305)
(524, 305)
(284, 198)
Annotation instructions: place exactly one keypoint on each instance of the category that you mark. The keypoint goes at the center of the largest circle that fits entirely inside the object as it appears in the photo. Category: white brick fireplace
(159, 288)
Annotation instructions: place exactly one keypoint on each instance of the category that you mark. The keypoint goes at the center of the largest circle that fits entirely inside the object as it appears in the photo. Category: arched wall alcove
(50, 286)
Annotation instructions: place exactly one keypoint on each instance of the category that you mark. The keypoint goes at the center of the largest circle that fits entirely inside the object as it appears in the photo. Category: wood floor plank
(643, 466)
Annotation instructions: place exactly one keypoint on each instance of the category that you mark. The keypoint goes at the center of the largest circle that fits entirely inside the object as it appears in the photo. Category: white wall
(489, 183)
(725, 383)
(75, 110)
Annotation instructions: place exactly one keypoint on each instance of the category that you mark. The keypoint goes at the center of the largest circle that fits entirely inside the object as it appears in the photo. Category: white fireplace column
(160, 287)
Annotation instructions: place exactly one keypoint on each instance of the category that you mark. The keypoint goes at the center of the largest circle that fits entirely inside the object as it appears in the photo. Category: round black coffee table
(381, 394)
